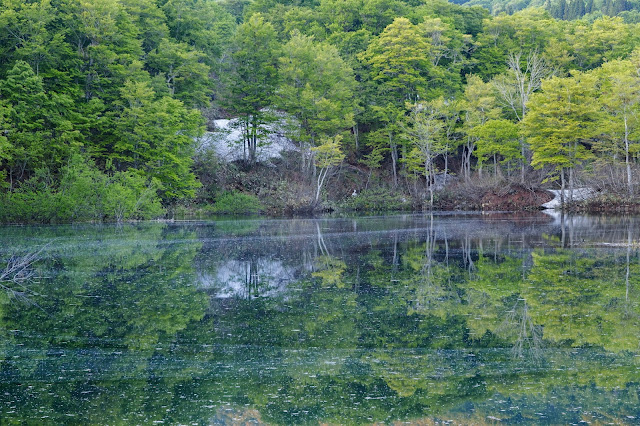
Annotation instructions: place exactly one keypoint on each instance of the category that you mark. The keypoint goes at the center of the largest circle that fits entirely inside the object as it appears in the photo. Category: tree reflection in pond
(357, 320)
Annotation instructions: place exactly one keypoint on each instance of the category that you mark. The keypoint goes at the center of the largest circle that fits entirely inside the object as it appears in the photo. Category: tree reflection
(111, 302)
(319, 321)
(518, 327)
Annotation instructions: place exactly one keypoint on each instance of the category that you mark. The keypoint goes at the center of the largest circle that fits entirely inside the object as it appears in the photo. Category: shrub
(83, 194)
(377, 199)
(236, 203)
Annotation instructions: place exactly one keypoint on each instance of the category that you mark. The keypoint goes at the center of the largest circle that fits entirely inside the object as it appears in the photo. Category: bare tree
(426, 133)
(516, 87)
(519, 325)
(18, 273)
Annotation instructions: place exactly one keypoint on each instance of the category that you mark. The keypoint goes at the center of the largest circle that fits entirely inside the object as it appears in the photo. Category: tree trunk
(430, 181)
(446, 165)
(627, 159)
(562, 186)
(253, 140)
(571, 184)
(356, 135)
(523, 161)
(394, 159)
(321, 176)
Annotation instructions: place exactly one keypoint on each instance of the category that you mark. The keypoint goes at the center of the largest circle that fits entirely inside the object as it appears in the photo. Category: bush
(377, 199)
(288, 197)
(236, 203)
(83, 194)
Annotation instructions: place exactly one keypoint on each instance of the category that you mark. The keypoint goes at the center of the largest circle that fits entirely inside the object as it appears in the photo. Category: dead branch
(19, 272)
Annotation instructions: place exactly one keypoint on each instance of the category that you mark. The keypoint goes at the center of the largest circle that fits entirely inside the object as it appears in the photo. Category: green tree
(105, 41)
(621, 100)
(516, 87)
(425, 131)
(479, 106)
(254, 81)
(495, 138)
(448, 54)
(37, 131)
(326, 156)
(561, 118)
(150, 21)
(526, 31)
(204, 25)
(183, 71)
(604, 40)
(398, 64)
(156, 138)
(27, 34)
(316, 89)
(399, 61)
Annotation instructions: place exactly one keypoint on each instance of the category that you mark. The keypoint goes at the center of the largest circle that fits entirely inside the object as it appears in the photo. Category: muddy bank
(606, 204)
(509, 197)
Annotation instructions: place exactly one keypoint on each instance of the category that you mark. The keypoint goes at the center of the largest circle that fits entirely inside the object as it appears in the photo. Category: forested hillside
(101, 101)
(629, 10)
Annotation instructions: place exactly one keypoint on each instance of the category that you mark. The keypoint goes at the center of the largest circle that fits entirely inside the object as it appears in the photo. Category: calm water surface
(462, 318)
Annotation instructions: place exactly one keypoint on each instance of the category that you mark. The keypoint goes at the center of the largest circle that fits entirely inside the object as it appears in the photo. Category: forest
(400, 103)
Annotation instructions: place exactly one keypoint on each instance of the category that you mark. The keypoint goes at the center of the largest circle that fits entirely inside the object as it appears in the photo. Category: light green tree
(479, 106)
(398, 62)
(316, 89)
(326, 157)
(497, 137)
(561, 117)
(621, 100)
(157, 139)
(425, 132)
(514, 89)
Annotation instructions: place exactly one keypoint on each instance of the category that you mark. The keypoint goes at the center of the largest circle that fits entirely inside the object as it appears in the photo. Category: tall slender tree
(254, 80)
(516, 87)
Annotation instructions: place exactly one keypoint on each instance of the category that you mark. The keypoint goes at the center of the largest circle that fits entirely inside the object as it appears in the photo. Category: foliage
(127, 83)
(561, 118)
(377, 199)
(326, 156)
(497, 137)
(254, 81)
(83, 194)
(316, 87)
(236, 203)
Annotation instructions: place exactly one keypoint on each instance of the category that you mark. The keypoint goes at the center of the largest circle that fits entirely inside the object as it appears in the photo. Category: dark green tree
(254, 80)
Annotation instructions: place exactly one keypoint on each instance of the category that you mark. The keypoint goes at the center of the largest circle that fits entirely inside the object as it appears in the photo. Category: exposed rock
(579, 194)
(227, 143)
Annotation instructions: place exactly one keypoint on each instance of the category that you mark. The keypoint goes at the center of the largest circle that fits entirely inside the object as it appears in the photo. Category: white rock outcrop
(226, 141)
(579, 194)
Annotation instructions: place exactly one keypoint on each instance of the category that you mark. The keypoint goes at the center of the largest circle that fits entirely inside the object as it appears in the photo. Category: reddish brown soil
(515, 198)
(506, 198)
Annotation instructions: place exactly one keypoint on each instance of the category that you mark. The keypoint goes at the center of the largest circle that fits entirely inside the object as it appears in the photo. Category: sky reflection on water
(463, 317)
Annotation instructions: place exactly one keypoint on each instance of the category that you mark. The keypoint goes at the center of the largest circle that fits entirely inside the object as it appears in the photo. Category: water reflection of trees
(377, 319)
(110, 303)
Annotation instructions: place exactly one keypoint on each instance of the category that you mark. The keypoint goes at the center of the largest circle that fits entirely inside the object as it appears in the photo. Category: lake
(462, 318)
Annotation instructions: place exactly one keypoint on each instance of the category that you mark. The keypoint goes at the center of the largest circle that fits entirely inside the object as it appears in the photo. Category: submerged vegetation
(102, 102)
